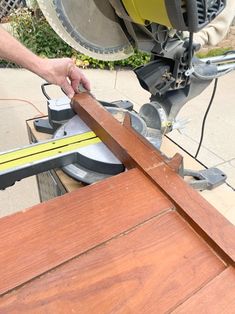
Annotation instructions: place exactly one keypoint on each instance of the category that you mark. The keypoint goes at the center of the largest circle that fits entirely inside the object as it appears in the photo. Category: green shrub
(36, 34)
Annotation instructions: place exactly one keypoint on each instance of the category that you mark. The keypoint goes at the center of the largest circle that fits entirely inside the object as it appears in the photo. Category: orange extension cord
(25, 101)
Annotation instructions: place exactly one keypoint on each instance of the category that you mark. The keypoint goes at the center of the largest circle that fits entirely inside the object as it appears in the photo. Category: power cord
(25, 101)
(203, 126)
(192, 156)
(205, 117)
(202, 132)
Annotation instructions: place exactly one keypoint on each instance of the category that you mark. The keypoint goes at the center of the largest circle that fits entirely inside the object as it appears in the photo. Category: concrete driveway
(18, 86)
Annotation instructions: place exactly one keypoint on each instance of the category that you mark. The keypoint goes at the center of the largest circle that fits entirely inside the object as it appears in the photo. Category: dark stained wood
(151, 269)
(217, 297)
(35, 241)
(135, 151)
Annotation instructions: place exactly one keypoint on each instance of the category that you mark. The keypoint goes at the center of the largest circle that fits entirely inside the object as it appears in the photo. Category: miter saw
(112, 30)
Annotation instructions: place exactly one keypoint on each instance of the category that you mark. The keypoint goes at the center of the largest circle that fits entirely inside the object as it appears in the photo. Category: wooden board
(222, 198)
(139, 242)
(51, 233)
(152, 269)
(142, 155)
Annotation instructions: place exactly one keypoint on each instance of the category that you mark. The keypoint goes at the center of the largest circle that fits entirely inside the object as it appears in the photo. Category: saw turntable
(112, 30)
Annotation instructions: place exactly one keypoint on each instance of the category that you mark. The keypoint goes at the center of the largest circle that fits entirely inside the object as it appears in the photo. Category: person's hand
(65, 73)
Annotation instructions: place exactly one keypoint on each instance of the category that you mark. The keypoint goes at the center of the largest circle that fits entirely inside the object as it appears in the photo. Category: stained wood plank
(34, 241)
(218, 297)
(135, 151)
(148, 270)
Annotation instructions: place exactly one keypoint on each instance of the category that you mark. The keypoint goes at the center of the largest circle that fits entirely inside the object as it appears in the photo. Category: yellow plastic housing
(149, 10)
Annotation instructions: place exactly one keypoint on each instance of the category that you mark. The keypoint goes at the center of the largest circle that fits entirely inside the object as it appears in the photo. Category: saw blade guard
(90, 27)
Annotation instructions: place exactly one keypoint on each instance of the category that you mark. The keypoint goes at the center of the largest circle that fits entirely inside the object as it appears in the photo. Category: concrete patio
(218, 147)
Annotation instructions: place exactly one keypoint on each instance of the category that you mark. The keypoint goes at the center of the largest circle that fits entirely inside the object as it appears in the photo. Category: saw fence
(142, 241)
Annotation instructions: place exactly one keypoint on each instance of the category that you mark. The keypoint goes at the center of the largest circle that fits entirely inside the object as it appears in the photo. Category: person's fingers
(86, 83)
(78, 82)
(68, 89)
(77, 77)
(66, 74)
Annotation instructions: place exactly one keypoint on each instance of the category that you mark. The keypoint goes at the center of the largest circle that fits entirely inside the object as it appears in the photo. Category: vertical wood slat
(151, 269)
(41, 238)
(135, 151)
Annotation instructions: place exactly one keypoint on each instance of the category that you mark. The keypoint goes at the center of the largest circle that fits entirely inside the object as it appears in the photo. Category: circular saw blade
(89, 26)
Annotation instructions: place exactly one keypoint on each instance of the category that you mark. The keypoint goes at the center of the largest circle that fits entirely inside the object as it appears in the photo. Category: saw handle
(43, 88)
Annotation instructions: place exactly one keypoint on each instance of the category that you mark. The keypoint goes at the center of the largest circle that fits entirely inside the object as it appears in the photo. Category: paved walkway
(218, 147)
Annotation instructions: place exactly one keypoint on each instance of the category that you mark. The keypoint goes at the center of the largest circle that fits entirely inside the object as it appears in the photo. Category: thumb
(67, 88)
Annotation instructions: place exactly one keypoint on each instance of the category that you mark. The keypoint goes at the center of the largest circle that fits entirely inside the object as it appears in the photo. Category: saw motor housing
(182, 15)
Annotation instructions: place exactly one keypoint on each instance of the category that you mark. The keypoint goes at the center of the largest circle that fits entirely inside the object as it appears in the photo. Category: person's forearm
(61, 71)
(217, 30)
(14, 51)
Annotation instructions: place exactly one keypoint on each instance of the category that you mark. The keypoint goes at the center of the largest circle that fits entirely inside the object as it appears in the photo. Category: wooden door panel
(151, 269)
(136, 152)
(34, 241)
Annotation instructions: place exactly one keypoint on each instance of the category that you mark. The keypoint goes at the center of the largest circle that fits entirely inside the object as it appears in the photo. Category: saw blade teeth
(57, 19)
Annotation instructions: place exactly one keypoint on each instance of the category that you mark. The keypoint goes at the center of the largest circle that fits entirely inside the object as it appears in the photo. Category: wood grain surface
(123, 245)
(134, 151)
(35, 241)
(217, 297)
(151, 269)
